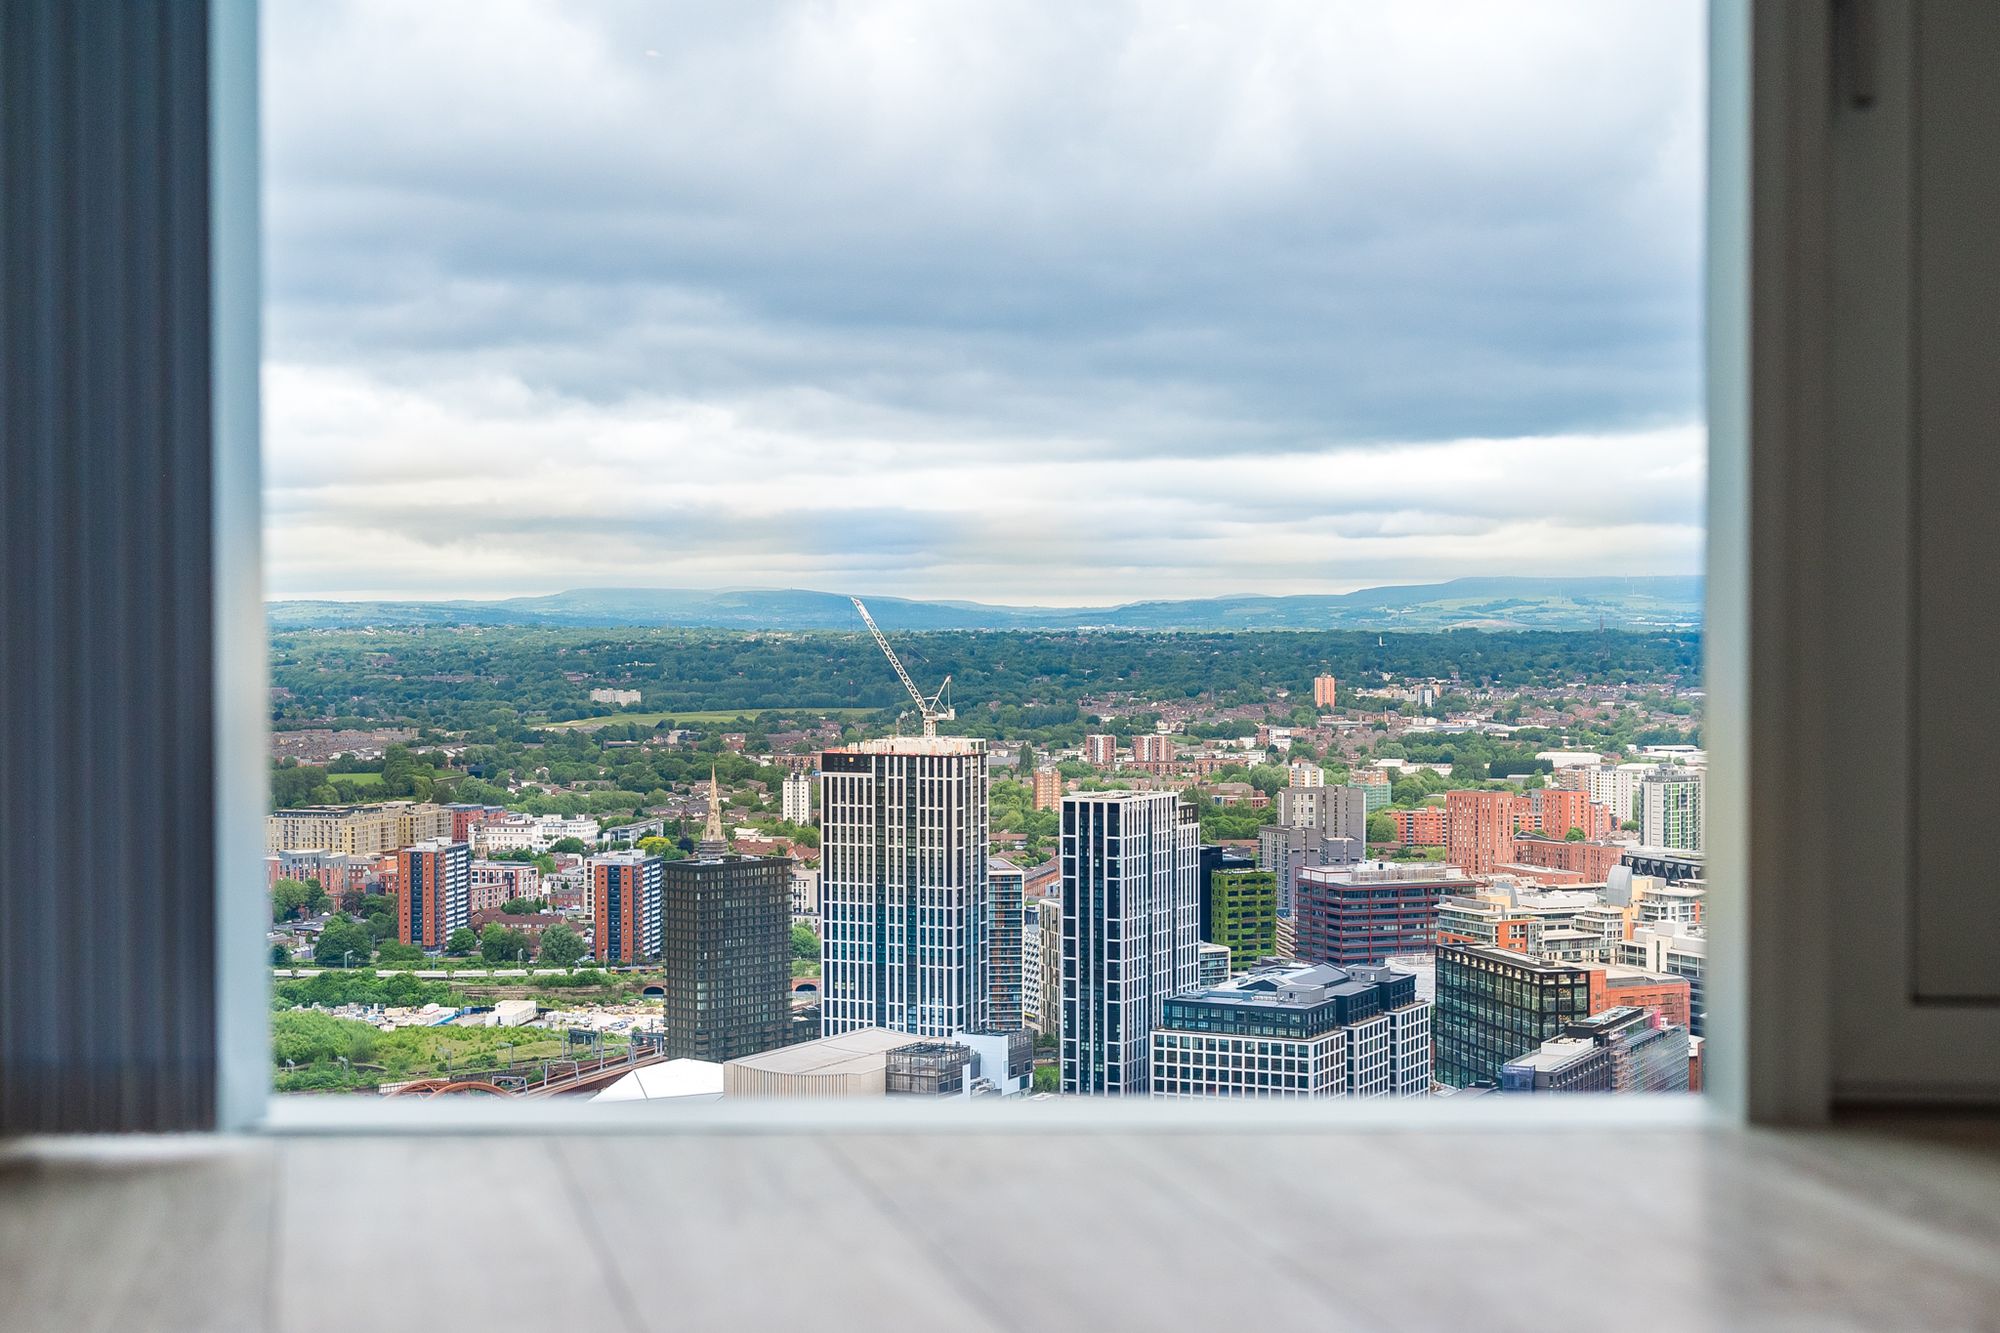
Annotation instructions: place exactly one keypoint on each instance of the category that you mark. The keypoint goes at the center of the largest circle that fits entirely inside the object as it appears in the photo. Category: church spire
(713, 841)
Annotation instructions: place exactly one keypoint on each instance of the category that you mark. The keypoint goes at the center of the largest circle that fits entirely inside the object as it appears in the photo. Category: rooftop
(1295, 984)
(845, 1053)
(917, 745)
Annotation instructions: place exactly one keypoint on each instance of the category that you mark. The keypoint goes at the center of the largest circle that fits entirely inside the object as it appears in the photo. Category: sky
(1022, 302)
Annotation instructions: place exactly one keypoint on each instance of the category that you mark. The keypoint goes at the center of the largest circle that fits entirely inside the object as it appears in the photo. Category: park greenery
(505, 683)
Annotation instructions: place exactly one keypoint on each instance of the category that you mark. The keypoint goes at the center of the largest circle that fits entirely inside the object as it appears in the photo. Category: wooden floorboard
(1859, 1229)
(765, 1233)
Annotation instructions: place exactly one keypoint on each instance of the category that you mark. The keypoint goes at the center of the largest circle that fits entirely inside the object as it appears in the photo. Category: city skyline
(1019, 307)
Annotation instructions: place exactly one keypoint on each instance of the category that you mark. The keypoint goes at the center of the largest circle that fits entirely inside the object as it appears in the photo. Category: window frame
(1768, 1057)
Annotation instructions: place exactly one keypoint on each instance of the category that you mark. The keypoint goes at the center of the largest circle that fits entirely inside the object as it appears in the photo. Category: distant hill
(1475, 603)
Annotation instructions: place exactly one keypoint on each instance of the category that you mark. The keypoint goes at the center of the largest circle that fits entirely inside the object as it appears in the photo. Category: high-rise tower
(905, 907)
(1131, 921)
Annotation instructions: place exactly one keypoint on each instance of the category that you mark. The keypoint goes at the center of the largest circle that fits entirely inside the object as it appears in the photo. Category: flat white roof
(843, 1053)
(675, 1079)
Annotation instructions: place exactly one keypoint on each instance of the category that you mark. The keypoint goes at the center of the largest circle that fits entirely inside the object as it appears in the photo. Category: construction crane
(928, 708)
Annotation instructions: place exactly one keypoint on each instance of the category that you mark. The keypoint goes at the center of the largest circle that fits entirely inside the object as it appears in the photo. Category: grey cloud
(1109, 231)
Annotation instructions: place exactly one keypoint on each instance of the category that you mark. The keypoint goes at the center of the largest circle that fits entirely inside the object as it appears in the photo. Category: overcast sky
(1049, 303)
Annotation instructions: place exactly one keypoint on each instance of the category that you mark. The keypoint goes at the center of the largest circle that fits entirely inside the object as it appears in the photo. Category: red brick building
(1421, 827)
(1479, 829)
(1557, 812)
(1592, 861)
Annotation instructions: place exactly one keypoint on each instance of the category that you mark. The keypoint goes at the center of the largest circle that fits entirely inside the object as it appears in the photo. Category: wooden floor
(1870, 1227)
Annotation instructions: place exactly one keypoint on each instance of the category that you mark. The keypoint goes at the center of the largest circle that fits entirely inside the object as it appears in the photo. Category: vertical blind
(107, 757)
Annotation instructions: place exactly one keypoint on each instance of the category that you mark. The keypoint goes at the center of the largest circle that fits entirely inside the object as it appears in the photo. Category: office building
(357, 830)
(1677, 949)
(726, 950)
(1100, 750)
(797, 797)
(849, 1064)
(1048, 787)
(1239, 911)
(1670, 809)
(1130, 924)
(1325, 690)
(1479, 829)
(1618, 1050)
(1296, 1030)
(434, 892)
(1004, 882)
(1363, 913)
(625, 905)
(1495, 1004)
(905, 907)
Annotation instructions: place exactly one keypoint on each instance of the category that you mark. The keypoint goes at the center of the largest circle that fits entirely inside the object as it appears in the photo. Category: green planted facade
(1243, 914)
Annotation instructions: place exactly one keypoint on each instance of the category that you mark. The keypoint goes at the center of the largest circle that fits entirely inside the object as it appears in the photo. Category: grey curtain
(107, 758)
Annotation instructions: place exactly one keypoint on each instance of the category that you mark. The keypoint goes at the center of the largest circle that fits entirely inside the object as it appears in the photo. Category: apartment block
(1048, 787)
(905, 906)
(497, 882)
(1590, 862)
(1421, 827)
(1005, 882)
(1325, 691)
(1130, 921)
(626, 906)
(1338, 812)
(434, 892)
(335, 872)
(1100, 750)
(796, 797)
(1154, 753)
(357, 830)
(1479, 829)
(1376, 788)
(1556, 812)
(726, 950)
(1047, 929)
(1211, 964)
(1671, 803)
(1296, 1031)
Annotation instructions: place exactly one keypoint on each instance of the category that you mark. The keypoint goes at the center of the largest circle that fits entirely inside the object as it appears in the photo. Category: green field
(355, 779)
(707, 718)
